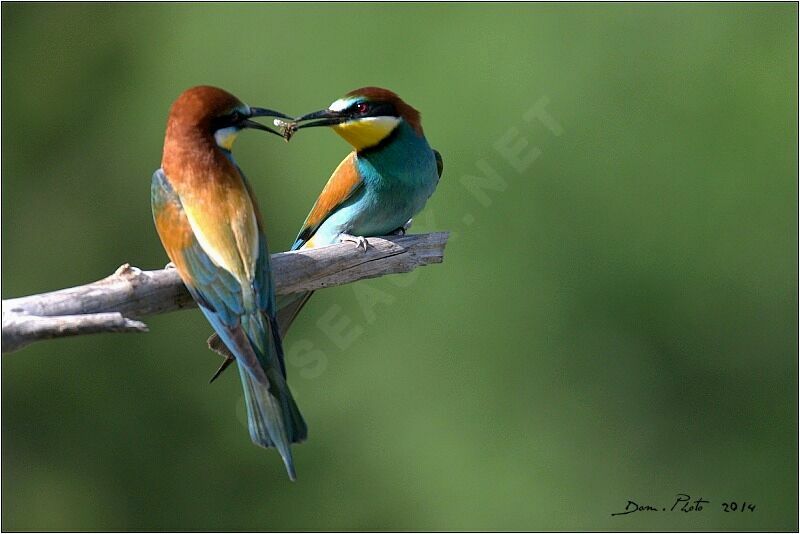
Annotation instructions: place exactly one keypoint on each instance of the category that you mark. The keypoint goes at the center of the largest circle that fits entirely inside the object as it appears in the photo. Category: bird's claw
(170, 265)
(402, 230)
(359, 240)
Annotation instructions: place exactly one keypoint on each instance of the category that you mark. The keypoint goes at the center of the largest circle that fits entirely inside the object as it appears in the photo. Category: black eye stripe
(375, 109)
(385, 108)
(229, 119)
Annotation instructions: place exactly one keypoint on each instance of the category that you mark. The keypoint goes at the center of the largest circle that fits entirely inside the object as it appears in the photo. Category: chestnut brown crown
(198, 106)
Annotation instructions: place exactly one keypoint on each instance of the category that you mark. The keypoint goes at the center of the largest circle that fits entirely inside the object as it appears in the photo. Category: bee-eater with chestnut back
(209, 223)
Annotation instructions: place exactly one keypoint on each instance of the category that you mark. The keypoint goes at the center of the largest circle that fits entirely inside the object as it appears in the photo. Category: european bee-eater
(209, 223)
(378, 187)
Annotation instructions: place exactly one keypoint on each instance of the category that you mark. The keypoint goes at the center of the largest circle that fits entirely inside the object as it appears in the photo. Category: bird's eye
(235, 117)
(362, 108)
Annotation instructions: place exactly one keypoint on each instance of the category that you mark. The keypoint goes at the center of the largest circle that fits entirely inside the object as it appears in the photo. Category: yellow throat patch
(364, 133)
(225, 137)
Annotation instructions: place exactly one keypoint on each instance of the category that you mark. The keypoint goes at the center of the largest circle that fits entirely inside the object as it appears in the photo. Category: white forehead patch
(342, 103)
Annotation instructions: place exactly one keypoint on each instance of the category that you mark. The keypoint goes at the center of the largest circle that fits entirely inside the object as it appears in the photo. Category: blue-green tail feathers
(272, 415)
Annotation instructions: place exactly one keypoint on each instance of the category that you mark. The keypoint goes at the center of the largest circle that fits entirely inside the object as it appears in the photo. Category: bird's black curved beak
(263, 112)
(323, 117)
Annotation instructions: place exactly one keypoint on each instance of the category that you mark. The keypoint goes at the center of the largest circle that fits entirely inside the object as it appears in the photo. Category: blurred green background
(615, 319)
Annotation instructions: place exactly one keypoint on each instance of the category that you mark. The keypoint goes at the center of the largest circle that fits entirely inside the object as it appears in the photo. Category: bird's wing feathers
(218, 291)
(343, 183)
(222, 217)
(439, 162)
(233, 247)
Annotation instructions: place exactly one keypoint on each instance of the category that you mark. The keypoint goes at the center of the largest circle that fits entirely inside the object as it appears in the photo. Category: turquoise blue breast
(399, 177)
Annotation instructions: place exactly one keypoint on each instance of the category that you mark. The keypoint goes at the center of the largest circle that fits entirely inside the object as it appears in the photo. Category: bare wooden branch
(20, 329)
(115, 303)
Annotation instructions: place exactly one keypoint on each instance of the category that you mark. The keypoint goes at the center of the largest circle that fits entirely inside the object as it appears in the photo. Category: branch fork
(118, 302)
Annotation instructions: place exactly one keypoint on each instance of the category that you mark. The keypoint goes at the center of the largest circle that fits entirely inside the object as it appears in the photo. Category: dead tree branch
(116, 303)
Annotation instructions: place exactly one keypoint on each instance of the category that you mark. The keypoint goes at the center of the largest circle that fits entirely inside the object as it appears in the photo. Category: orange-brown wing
(171, 224)
(343, 183)
(216, 290)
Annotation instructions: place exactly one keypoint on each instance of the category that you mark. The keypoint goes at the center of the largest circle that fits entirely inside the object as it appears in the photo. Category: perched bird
(209, 223)
(378, 187)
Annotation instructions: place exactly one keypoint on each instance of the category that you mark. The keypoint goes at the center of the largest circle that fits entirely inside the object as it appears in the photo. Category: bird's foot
(359, 240)
(402, 230)
(170, 265)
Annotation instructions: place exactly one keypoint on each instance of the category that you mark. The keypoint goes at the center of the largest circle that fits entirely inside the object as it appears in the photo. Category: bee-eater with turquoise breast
(378, 187)
(210, 225)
